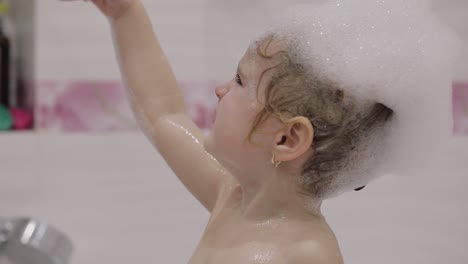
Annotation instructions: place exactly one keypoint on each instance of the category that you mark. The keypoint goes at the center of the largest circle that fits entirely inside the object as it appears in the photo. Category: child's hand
(112, 8)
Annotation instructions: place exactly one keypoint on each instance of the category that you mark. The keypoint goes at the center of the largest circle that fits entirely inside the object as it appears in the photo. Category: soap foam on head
(396, 52)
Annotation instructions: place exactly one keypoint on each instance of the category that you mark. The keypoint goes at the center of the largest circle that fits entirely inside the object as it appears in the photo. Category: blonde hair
(341, 123)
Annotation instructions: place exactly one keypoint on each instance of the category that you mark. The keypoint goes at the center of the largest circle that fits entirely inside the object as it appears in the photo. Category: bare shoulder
(315, 247)
(313, 252)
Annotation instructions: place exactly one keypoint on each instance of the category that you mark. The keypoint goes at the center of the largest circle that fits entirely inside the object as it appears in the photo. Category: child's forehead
(249, 59)
(251, 64)
(265, 48)
(253, 61)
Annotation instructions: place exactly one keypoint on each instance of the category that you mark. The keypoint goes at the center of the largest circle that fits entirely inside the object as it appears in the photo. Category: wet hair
(342, 123)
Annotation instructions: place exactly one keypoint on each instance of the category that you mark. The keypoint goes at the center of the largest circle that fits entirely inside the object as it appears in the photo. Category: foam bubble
(396, 52)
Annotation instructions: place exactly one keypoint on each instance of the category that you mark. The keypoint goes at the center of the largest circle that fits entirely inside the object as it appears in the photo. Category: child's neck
(276, 197)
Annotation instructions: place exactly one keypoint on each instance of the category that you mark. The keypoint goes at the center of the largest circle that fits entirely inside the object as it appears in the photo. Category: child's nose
(221, 91)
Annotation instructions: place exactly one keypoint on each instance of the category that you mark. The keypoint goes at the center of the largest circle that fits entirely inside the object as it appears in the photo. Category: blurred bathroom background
(71, 153)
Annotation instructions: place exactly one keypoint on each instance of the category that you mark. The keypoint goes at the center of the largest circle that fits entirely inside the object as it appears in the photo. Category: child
(275, 149)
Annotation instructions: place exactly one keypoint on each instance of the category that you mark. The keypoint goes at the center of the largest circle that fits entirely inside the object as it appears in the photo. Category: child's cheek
(252, 97)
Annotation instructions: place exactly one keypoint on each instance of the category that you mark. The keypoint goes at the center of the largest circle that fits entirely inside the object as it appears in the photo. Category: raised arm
(151, 85)
(157, 101)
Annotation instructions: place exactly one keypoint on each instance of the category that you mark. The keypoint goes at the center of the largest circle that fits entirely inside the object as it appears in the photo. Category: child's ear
(293, 139)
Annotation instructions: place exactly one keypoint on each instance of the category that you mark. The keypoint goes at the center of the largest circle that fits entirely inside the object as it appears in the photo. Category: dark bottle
(4, 68)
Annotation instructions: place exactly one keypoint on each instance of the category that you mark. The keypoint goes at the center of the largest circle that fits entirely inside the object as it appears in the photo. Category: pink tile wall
(101, 106)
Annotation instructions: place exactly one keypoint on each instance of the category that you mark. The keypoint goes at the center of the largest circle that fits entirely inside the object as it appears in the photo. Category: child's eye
(238, 80)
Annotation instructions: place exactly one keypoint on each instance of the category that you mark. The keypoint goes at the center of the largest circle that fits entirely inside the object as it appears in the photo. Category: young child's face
(238, 104)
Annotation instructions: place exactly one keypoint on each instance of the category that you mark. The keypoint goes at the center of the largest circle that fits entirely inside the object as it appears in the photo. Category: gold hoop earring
(275, 162)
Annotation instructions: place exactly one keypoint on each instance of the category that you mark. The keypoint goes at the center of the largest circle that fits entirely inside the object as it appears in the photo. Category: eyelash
(238, 79)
